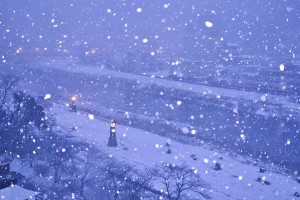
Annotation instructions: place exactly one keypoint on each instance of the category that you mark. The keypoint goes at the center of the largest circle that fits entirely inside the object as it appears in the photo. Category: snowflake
(208, 24)
(281, 67)
(47, 96)
(145, 40)
(92, 117)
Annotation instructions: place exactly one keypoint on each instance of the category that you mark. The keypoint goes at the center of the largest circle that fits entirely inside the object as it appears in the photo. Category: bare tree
(89, 171)
(20, 116)
(178, 181)
(122, 182)
(6, 87)
(59, 148)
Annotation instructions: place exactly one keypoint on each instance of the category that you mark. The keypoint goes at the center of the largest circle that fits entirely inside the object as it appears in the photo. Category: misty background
(260, 27)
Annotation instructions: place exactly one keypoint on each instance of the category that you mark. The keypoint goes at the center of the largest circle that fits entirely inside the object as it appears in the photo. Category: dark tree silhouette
(178, 181)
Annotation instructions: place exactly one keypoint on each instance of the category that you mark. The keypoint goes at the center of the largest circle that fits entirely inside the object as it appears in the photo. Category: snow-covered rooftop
(15, 192)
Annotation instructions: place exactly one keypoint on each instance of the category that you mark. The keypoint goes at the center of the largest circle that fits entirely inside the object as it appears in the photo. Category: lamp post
(73, 104)
(112, 142)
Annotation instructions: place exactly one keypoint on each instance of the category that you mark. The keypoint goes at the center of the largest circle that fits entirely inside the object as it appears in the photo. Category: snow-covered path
(236, 180)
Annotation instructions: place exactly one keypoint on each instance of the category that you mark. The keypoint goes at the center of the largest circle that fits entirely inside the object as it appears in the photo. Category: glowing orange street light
(113, 125)
(73, 98)
(73, 104)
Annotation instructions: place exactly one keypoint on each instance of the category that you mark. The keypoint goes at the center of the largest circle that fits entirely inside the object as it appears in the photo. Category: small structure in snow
(193, 156)
(262, 170)
(297, 194)
(218, 166)
(169, 151)
(263, 181)
(168, 145)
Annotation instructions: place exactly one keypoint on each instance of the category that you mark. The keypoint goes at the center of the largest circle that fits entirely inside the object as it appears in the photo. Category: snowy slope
(236, 180)
(67, 65)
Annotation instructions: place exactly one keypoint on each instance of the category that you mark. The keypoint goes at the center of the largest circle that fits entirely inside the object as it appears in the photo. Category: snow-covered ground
(72, 65)
(236, 180)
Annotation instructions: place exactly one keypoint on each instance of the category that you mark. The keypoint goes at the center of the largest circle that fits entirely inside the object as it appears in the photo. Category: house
(15, 192)
(9, 190)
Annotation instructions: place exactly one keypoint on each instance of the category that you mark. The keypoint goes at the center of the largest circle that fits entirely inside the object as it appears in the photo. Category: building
(9, 190)
(15, 192)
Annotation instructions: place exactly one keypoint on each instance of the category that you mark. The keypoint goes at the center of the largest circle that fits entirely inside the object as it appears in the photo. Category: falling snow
(208, 24)
(207, 89)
